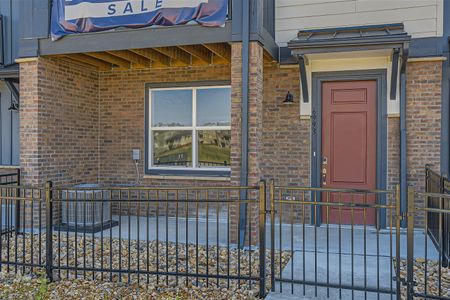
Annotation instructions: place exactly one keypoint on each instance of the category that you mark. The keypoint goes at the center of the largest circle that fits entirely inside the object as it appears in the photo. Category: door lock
(324, 170)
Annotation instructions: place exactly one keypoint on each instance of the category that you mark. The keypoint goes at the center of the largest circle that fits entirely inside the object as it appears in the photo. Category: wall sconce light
(14, 106)
(289, 98)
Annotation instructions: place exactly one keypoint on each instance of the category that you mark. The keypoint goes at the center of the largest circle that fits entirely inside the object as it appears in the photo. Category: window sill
(200, 178)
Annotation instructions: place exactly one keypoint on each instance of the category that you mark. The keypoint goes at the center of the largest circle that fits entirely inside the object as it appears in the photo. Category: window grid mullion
(194, 131)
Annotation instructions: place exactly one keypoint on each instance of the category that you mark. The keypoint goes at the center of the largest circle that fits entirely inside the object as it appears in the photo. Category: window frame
(150, 169)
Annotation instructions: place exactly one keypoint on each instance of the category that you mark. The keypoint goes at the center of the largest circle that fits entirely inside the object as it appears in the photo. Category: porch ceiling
(160, 57)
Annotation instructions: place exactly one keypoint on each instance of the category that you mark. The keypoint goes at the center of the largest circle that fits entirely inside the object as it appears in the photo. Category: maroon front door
(349, 127)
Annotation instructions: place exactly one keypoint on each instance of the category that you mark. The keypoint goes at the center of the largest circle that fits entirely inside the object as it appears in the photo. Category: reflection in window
(171, 108)
(190, 128)
(214, 107)
(214, 148)
(172, 148)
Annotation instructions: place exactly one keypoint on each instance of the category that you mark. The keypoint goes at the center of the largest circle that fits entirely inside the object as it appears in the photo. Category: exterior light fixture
(14, 106)
(289, 98)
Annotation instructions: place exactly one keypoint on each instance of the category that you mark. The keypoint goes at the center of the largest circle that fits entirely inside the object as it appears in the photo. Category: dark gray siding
(34, 32)
(9, 9)
(9, 129)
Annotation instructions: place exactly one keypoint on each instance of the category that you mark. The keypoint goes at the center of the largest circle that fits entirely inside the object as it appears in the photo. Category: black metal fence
(438, 225)
(428, 275)
(9, 211)
(10, 178)
(337, 243)
(140, 235)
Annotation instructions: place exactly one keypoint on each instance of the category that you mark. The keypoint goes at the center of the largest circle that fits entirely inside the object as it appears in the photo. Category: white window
(189, 129)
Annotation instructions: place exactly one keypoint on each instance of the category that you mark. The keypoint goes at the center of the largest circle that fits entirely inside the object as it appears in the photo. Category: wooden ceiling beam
(220, 49)
(111, 59)
(155, 56)
(199, 52)
(176, 55)
(135, 59)
(85, 59)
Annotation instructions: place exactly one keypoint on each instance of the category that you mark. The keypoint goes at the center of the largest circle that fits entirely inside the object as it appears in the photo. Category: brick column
(58, 129)
(255, 114)
(58, 122)
(29, 128)
(423, 122)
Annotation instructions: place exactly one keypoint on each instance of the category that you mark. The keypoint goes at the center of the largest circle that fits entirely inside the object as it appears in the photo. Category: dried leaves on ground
(426, 278)
(148, 256)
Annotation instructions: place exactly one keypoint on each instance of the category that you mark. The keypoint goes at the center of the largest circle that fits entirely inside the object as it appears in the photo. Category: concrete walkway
(368, 256)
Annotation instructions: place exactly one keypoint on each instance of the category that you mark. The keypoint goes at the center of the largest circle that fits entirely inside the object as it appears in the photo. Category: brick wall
(393, 148)
(286, 138)
(423, 119)
(121, 119)
(58, 122)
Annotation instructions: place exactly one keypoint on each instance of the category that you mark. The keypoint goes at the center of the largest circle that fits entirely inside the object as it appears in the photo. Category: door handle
(324, 170)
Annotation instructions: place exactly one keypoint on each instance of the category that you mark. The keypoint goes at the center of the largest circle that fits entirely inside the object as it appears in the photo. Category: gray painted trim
(296, 45)
(403, 148)
(168, 172)
(419, 47)
(12, 88)
(380, 77)
(188, 84)
(394, 74)
(445, 102)
(445, 116)
(345, 48)
(10, 72)
(303, 78)
(244, 122)
(268, 41)
(130, 39)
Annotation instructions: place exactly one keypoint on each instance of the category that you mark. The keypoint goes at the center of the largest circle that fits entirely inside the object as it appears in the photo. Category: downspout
(244, 125)
(445, 114)
(445, 102)
(403, 139)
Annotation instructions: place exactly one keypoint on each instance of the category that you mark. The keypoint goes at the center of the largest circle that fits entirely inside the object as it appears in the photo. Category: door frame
(316, 132)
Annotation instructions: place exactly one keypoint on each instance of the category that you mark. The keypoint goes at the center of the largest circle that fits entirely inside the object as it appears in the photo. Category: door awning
(9, 71)
(348, 39)
(357, 38)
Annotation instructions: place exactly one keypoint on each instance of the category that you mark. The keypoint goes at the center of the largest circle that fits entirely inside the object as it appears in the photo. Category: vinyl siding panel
(422, 18)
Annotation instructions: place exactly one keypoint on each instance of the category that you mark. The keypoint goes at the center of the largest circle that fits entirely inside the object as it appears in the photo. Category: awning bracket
(303, 77)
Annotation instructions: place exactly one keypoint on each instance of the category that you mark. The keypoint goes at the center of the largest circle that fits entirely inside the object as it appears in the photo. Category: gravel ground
(432, 277)
(149, 256)
(27, 287)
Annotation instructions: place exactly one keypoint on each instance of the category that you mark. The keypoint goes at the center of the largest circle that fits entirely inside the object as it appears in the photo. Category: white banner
(123, 8)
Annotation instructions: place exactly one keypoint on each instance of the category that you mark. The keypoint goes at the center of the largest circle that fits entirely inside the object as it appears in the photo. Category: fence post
(410, 245)
(49, 230)
(272, 234)
(17, 212)
(398, 218)
(262, 238)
